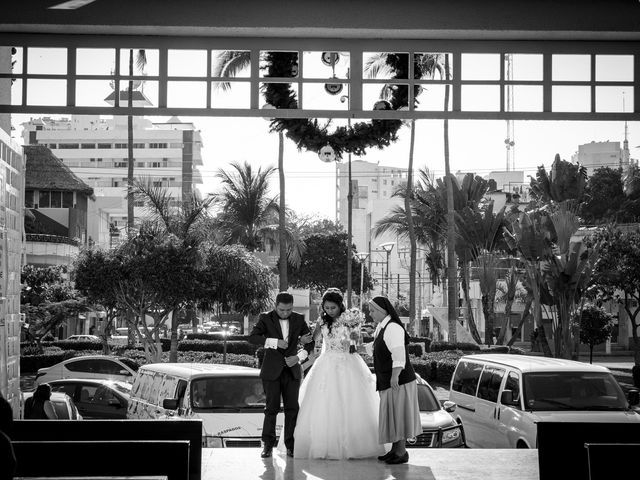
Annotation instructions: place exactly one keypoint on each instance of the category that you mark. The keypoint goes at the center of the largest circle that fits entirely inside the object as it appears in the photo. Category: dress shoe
(396, 459)
(386, 456)
(266, 452)
(289, 453)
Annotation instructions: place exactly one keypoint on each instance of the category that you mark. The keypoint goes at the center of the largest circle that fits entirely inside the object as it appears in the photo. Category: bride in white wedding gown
(338, 417)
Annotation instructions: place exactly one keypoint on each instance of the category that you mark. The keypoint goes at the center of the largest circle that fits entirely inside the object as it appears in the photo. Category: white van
(501, 397)
(229, 400)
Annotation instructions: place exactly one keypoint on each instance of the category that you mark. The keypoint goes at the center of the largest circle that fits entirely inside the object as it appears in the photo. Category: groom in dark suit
(279, 331)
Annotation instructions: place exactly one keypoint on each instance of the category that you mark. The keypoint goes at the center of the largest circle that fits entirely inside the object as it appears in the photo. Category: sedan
(439, 429)
(62, 404)
(96, 398)
(90, 366)
(84, 338)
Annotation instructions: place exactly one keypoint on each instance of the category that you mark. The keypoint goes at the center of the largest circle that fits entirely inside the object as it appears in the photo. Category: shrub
(238, 347)
(211, 336)
(31, 363)
(424, 340)
(76, 345)
(416, 349)
(464, 346)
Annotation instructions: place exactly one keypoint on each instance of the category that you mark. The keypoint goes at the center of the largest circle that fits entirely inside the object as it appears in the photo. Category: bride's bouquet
(352, 318)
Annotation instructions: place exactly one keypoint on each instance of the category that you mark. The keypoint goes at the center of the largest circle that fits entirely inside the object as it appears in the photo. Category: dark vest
(383, 364)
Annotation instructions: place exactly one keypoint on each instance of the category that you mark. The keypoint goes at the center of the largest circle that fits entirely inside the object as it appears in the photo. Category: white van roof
(530, 363)
(192, 370)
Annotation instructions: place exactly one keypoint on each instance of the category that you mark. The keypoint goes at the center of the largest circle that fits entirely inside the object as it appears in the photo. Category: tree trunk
(173, 350)
(412, 233)
(487, 309)
(526, 313)
(473, 328)
(130, 162)
(544, 342)
(590, 353)
(282, 217)
(452, 300)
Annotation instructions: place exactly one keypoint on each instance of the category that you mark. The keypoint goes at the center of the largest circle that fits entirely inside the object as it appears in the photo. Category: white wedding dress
(338, 416)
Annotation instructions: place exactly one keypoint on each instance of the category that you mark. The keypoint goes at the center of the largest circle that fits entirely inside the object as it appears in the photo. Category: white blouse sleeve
(394, 338)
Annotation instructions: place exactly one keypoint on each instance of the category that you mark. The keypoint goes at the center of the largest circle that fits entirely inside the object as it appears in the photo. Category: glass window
(67, 199)
(82, 366)
(87, 393)
(513, 384)
(44, 199)
(61, 409)
(227, 392)
(68, 388)
(466, 377)
(28, 199)
(427, 400)
(553, 391)
(105, 145)
(56, 199)
(104, 395)
(489, 385)
(109, 367)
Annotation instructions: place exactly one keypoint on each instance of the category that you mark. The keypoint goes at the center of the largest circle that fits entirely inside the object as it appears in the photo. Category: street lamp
(387, 247)
(362, 256)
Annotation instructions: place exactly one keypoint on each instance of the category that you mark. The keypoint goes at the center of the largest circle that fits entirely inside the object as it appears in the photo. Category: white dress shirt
(273, 342)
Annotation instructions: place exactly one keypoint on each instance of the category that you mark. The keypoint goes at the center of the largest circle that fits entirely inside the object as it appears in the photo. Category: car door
(487, 407)
(509, 417)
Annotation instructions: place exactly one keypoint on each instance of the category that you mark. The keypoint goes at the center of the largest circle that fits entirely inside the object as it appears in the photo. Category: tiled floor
(424, 464)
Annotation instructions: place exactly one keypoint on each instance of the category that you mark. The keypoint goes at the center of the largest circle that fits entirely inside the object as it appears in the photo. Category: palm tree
(425, 66)
(140, 62)
(248, 213)
(184, 220)
(229, 64)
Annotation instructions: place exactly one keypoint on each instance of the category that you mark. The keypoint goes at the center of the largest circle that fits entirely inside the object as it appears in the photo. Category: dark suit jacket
(268, 326)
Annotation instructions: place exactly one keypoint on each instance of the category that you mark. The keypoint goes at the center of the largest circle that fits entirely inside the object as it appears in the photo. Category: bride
(338, 417)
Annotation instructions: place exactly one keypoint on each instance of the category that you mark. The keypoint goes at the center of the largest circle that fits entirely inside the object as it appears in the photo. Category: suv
(501, 397)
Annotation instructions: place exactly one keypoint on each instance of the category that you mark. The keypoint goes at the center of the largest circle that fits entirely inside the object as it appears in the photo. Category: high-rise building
(11, 228)
(95, 149)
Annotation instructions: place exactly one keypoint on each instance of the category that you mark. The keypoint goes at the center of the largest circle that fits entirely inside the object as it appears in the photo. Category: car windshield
(555, 391)
(427, 400)
(227, 392)
(129, 363)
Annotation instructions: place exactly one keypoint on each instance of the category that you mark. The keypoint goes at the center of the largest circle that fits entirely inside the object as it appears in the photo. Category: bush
(76, 345)
(424, 340)
(464, 346)
(211, 336)
(416, 349)
(31, 363)
(238, 347)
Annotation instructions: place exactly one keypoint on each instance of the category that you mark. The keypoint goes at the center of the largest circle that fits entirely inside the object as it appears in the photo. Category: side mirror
(633, 397)
(170, 403)
(507, 398)
(124, 372)
(449, 406)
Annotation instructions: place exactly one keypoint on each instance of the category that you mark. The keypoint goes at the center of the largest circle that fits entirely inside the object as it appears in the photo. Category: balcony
(42, 249)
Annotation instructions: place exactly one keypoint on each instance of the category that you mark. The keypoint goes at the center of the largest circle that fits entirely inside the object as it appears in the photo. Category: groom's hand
(292, 360)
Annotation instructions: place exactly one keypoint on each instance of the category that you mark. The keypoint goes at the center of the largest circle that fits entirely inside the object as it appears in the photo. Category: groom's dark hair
(284, 297)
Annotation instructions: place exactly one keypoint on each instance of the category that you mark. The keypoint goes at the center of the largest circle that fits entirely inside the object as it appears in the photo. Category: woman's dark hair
(43, 392)
(332, 295)
(385, 304)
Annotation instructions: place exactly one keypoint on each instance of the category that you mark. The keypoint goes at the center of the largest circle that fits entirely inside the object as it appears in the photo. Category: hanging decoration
(308, 134)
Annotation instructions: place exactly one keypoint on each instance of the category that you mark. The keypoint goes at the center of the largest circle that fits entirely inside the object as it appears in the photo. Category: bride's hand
(306, 338)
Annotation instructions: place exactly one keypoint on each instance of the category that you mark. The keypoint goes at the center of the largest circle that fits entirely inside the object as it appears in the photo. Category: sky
(475, 146)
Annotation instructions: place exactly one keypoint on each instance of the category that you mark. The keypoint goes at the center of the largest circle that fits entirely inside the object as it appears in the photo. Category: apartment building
(95, 149)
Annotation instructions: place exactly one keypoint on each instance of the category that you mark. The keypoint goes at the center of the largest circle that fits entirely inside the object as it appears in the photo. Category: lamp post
(387, 247)
(362, 256)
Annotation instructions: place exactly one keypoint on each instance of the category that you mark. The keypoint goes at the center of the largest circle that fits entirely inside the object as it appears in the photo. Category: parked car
(502, 397)
(225, 397)
(90, 366)
(84, 338)
(439, 427)
(96, 398)
(62, 404)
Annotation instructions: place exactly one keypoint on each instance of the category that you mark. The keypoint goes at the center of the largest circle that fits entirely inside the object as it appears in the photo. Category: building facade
(95, 149)
(11, 234)
(602, 154)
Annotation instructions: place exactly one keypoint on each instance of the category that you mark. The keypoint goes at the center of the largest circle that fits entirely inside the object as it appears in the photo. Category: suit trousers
(286, 387)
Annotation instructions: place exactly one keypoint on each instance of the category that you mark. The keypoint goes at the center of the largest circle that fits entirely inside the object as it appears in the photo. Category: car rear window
(129, 363)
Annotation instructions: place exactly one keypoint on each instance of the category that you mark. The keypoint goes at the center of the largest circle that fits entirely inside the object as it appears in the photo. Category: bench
(135, 432)
(583, 450)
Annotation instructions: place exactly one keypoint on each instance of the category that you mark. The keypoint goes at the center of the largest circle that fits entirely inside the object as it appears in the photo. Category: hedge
(464, 346)
(233, 346)
(211, 336)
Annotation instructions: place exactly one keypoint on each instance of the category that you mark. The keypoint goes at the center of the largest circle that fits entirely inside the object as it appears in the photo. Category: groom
(281, 373)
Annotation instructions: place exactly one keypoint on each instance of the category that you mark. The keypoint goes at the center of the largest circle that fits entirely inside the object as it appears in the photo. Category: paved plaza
(424, 464)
